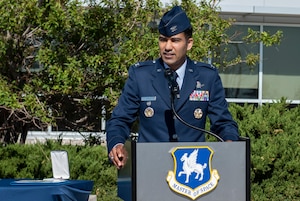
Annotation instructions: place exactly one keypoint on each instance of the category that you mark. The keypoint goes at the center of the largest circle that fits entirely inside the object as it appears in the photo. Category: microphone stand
(191, 126)
(175, 94)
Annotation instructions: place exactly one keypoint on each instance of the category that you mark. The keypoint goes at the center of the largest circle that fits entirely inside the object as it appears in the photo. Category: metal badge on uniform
(199, 85)
(149, 112)
(198, 113)
(173, 28)
(199, 95)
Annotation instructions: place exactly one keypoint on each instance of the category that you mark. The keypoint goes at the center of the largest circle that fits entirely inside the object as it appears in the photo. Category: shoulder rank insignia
(193, 175)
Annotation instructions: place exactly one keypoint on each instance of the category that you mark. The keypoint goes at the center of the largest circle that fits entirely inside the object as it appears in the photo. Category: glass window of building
(240, 80)
(281, 65)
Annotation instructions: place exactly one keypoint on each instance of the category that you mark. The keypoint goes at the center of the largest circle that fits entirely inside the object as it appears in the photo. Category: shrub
(274, 130)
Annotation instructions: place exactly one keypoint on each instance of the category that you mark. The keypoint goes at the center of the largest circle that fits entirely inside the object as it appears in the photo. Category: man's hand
(118, 155)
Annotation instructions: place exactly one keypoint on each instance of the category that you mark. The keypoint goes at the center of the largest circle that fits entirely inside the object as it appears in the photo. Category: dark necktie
(175, 85)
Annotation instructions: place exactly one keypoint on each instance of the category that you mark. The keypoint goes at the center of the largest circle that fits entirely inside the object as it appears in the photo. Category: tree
(62, 62)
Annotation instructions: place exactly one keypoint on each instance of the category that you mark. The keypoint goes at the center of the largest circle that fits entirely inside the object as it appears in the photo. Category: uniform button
(174, 136)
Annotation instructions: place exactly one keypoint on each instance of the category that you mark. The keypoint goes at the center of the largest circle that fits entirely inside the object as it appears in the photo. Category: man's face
(173, 49)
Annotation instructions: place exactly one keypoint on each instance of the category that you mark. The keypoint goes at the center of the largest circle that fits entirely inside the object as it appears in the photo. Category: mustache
(168, 53)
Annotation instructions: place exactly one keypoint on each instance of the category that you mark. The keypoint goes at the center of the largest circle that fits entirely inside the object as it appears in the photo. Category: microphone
(173, 84)
(175, 93)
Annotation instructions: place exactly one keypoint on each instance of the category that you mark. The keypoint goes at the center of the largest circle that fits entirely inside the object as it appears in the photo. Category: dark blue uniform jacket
(201, 94)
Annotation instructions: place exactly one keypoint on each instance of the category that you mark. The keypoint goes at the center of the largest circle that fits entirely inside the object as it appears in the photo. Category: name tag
(148, 98)
(199, 95)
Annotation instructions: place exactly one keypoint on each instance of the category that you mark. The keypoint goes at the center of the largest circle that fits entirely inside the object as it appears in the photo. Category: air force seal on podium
(193, 175)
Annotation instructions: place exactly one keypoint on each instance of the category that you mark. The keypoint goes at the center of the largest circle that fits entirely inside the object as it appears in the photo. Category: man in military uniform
(146, 95)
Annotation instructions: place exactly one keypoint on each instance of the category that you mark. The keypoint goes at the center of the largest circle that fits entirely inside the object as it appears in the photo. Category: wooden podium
(182, 171)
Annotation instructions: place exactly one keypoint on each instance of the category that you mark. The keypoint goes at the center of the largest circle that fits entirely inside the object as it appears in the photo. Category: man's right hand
(118, 155)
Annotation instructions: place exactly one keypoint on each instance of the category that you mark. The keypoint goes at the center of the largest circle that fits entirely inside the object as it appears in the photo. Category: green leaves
(275, 150)
(266, 38)
(7, 97)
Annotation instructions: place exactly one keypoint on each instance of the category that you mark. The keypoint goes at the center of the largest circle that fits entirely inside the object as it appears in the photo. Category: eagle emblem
(193, 175)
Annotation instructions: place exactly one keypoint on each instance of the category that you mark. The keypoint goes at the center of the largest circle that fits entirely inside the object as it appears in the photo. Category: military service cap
(174, 22)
